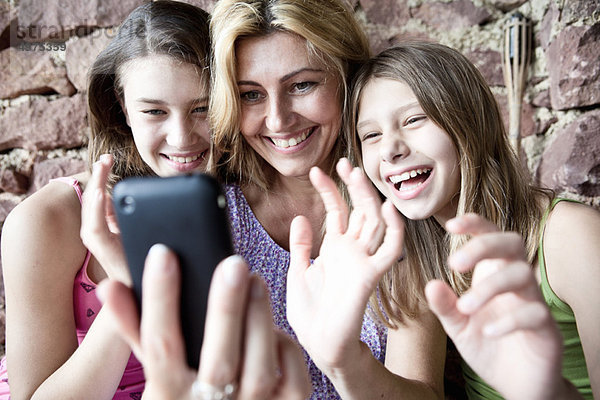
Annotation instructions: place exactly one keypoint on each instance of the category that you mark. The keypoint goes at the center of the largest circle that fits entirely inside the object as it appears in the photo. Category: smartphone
(189, 215)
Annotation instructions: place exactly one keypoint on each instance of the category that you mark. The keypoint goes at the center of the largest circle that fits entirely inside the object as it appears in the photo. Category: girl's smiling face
(290, 103)
(165, 103)
(410, 159)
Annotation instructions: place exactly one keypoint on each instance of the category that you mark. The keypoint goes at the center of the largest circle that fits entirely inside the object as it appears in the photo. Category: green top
(574, 367)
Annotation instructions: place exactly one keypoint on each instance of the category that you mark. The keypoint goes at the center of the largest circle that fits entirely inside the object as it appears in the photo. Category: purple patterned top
(271, 262)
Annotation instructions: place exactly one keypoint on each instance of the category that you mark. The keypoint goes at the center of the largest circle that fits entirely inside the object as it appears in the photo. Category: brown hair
(454, 95)
(163, 27)
(332, 34)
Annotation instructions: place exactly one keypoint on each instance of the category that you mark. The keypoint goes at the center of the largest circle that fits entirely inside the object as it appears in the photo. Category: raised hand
(243, 357)
(501, 326)
(99, 229)
(326, 300)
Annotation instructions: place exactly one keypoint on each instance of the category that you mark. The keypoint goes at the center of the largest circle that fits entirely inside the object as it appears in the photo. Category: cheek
(143, 137)
(328, 111)
(249, 120)
(203, 129)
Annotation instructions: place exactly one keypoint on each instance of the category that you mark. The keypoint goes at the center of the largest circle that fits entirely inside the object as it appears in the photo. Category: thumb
(442, 301)
(300, 245)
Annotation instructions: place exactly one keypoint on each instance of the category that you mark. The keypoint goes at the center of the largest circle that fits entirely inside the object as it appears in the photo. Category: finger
(160, 331)
(222, 346)
(471, 224)
(300, 246)
(259, 371)
(365, 223)
(111, 217)
(514, 278)
(497, 245)
(442, 301)
(294, 383)
(533, 316)
(119, 301)
(335, 206)
(93, 223)
(391, 249)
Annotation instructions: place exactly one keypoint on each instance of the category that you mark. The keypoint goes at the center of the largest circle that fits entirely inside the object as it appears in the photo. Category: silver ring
(206, 391)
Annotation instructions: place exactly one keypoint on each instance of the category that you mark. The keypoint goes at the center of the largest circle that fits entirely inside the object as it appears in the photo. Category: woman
(429, 134)
(280, 70)
(60, 342)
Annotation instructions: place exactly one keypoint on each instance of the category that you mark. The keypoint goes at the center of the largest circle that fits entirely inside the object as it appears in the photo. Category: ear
(123, 107)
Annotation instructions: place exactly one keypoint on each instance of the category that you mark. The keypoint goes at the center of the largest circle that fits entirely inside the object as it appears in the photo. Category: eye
(304, 86)
(154, 112)
(369, 136)
(414, 119)
(200, 110)
(251, 96)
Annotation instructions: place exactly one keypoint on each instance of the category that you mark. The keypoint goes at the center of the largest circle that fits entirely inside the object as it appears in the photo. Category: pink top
(86, 306)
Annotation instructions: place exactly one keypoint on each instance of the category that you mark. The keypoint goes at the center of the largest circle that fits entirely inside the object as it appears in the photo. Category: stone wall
(47, 46)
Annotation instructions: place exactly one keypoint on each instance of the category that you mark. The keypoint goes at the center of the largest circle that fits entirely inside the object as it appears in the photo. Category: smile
(410, 179)
(184, 160)
(294, 141)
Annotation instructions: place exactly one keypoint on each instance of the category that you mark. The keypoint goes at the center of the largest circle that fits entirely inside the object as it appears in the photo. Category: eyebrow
(162, 102)
(285, 77)
(397, 111)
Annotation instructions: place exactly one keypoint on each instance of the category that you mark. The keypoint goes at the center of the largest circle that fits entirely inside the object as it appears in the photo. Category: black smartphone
(189, 215)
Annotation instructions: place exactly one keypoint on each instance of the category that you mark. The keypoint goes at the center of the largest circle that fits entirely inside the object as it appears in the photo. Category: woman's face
(290, 102)
(165, 103)
(411, 160)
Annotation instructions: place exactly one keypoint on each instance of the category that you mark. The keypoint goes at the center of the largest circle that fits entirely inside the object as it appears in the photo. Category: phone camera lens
(221, 201)
(128, 204)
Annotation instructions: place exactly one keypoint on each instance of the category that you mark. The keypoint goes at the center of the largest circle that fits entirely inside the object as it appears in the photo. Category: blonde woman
(280, 70)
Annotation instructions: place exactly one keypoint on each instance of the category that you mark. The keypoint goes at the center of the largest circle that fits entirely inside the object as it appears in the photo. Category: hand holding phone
(189, 215)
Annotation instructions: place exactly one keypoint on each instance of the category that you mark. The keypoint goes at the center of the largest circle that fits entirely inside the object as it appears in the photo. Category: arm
(326, 300)
(573, 266)
(501, 326)
(240, 345)
(41, 253)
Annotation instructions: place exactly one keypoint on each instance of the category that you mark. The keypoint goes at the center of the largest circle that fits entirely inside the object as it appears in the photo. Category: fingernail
(101, 292)
(459, 259)
(232, 274)
(104, 158)
(491, 330)
(453, 224)
(157, 259)
(257, 291)
(467, 303)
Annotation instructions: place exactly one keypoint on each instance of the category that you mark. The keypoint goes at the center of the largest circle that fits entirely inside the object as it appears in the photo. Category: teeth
(395, 179)
(183, 160)
(291, 142)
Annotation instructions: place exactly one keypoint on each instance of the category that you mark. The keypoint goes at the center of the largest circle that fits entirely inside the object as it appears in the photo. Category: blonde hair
(163, 28)
(332, 34)
(455, 97)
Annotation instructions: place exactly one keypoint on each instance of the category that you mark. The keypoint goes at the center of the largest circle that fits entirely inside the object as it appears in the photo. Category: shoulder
(573, 224)
(571, 249)
(44, 226)
(54, 200)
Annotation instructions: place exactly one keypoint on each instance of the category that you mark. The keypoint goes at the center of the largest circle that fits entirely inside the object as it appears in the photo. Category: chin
(414, 213)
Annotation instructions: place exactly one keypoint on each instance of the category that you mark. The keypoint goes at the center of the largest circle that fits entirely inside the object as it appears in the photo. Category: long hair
(163, 27)
(455, 96)
(332, 35)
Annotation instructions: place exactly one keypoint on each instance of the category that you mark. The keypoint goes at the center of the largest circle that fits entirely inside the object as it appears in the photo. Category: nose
(393, 147)
(182, 131)
(279, 114)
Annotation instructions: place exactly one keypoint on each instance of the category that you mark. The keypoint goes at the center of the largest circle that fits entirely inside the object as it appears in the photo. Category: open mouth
(185, 160)
(294, 141)
(410, 180)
